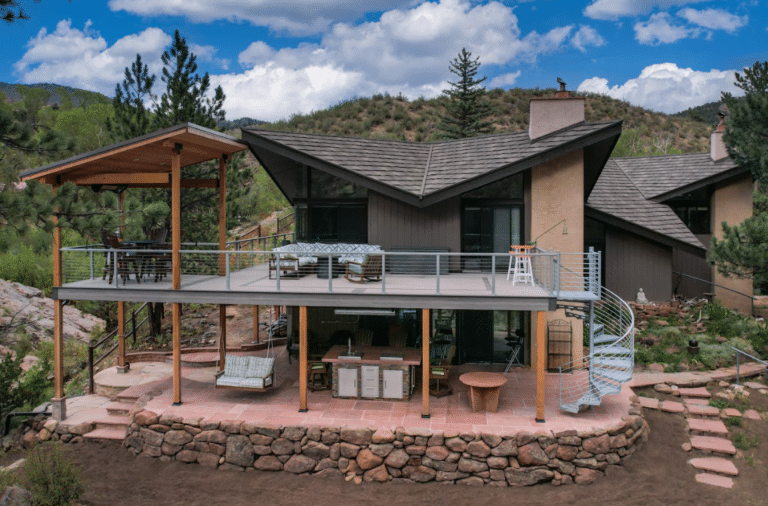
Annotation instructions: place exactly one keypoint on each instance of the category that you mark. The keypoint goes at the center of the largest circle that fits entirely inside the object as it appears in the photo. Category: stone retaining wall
(417, 455)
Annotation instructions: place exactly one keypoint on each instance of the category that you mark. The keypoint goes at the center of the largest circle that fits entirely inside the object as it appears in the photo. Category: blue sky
(274, 59)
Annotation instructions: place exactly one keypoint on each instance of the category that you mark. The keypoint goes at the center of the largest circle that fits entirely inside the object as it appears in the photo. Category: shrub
(51, 477)
(744, 442)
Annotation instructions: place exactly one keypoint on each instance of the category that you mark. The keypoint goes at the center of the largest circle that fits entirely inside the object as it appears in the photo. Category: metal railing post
(738, 367)
(330, 273)
(114, 267)
(91, 255)
(437, 279)
(277, 270)
(383, 273)
(226, 262)
(551, 269)
(133, 325)
(559, 270)
(493, 275)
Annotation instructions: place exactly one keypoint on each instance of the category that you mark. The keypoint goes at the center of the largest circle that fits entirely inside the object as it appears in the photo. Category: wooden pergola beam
(126, 179)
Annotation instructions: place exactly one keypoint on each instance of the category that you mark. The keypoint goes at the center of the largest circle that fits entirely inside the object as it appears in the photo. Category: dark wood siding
(693, 266)
(632, 262)
(392, 223)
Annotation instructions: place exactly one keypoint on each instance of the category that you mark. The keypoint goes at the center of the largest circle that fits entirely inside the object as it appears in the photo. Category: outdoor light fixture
(365, 312)
(565, 229)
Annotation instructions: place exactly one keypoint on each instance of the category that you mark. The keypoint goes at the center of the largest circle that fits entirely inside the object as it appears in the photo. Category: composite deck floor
(256, 280)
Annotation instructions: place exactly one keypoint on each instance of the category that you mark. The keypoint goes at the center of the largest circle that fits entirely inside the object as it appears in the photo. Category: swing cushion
(247, 372)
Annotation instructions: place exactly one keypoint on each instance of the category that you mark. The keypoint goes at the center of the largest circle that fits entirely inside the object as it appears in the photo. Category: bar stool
(523, 269)
(317, 376)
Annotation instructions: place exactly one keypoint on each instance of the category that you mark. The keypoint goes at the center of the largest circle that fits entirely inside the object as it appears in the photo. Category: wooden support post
(59, 403)
(256, 324)
(303, 359)
(541, 364)
(120, 201)
(176, 354)
(122, 367)
(222, 214)
(222, 336)
(176, 215)
(425, 363)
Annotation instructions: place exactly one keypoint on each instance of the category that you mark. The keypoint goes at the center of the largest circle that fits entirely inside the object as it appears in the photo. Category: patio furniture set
(150, 257)
(361, 262)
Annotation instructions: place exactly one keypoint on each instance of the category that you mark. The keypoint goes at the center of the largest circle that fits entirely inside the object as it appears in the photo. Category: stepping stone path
(708, 432)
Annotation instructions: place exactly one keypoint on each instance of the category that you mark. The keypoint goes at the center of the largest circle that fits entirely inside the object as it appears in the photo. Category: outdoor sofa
(302, 258)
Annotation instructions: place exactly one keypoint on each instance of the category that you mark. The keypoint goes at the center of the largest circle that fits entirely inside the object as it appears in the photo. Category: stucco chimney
(717, 148)
(550, 114)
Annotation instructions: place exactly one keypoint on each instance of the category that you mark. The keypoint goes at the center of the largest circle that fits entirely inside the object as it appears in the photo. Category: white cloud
(208, 53)
(296, 17)
(586, 36)
(82, 58)
(666, 88)
(714, 19)
(659, 30)
(614, 9)
(504, 80)
(404, 51)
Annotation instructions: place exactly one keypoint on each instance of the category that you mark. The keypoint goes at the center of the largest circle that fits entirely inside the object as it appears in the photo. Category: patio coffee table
(483, 389)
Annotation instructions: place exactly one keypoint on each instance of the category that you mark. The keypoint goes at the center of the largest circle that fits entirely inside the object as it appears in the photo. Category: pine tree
(184, 99)
(132, 118)
(743, 250)
(466, 108)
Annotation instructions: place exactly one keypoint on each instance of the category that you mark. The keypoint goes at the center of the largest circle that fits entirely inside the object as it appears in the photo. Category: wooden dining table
(484, 389)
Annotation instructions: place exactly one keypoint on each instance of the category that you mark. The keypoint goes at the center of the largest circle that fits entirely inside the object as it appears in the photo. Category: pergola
(154, 160)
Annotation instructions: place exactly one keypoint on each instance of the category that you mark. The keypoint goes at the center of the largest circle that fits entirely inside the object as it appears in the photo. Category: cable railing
(327, 267)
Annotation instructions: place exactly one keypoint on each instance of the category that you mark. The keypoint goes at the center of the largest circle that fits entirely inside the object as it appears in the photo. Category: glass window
(508, 188)
(302, 184)
(696, 218)
(326, 186)
(301, 219)
(332, 223)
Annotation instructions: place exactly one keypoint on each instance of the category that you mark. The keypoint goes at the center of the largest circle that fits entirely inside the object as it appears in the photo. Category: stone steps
(715, 480)
(708, 411)
(713, 444)
(119, 408)
(716, 465)
(113, 432)
(700, 426)
(111, 421)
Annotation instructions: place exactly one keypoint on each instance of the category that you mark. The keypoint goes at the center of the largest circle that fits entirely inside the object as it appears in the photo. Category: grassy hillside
(397, 118)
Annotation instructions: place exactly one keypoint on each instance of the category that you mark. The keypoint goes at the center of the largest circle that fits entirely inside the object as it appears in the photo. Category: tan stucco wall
(732, 203)
(552, 114)
(557, 193)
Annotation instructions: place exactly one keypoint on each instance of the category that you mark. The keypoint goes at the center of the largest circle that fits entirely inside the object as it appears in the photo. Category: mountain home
(407, 246)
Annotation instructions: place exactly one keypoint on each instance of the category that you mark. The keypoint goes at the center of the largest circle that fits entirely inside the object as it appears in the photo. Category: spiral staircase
(610, 362)
(610, 323)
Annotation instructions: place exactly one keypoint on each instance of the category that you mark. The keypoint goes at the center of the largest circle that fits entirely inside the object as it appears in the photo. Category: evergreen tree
(132, 118)
(743, 250)
(184, 99)
(467, 108)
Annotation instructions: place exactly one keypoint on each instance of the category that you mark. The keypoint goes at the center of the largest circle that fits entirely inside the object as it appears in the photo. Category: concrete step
(716, 465)
(119, 408)
(114, 432)
(715, 480)
(713, 444)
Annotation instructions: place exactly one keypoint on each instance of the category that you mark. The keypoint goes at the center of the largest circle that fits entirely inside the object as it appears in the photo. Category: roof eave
(631, 227)
(701, 183)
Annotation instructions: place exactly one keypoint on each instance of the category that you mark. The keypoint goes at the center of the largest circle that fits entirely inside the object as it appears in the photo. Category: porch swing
(247, 373)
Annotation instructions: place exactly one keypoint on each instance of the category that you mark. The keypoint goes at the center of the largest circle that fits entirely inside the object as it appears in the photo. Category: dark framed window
(695, 217)
(335, 211)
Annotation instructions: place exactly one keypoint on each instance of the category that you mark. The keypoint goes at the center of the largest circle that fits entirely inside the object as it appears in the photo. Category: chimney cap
(722, 113)
(561, 83)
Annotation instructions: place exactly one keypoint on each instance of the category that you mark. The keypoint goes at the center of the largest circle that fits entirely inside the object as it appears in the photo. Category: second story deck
(400, 279)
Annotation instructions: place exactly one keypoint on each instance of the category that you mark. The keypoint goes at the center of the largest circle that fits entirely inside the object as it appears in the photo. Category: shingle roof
(616, 194)
(658, 175)
(422, 169)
